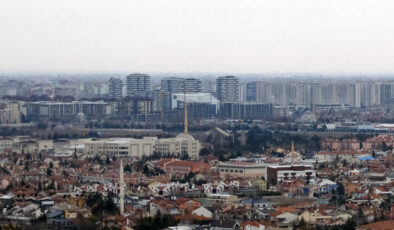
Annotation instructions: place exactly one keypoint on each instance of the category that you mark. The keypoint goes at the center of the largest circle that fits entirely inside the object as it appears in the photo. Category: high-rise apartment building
(386, 93)
(251, 91)
(278, 93)
(193, 85)
(209, 86)
(336, 94)
(173, 85)
(181, 85)
(137, 84)
(115, 88)
(227, 89)
(369, 94)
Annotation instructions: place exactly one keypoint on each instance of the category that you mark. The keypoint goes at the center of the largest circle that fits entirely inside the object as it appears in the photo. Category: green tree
(127, 168)
(49, 171)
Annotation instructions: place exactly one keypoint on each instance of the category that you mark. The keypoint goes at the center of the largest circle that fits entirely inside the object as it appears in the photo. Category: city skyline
(325, 37)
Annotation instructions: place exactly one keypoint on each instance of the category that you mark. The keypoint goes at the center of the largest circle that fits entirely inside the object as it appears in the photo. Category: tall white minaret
(122, 185)
(185, 107)
(292, 153)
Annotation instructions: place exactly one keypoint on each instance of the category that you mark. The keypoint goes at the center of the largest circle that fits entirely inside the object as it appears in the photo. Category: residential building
(10, 112)
(193, 85)
(115, 88)
(173, 85)
(137, 84)
(278, 173)
(66, 110)
(247, 110)
(227, 89)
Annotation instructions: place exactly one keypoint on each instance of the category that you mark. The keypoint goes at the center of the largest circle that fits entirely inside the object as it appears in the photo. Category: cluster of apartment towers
(281, 93)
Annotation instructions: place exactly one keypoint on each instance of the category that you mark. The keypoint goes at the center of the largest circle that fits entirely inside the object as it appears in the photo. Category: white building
(178, 99)
(6, 144)
(179, 145)
(350, 155)
(138, 148)
(10, 112)
(201, 211)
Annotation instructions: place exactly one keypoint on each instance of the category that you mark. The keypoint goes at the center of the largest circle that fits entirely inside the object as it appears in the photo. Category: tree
(349, 225)
(360, 215)
(26, 166)
(155, 223)
(93, 198)
(205, 151)
(341, 189)
(127, 168)
(145, 170)
(108, 161)
(101, 206)
(49, 171)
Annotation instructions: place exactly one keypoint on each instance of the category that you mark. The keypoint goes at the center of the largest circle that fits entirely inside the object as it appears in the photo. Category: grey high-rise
(137, 84)
(173, 84)
(193, 85)
(115, 88)
(227, 89)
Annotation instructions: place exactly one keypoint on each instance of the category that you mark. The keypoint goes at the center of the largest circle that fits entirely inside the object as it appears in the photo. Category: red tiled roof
(381, 225)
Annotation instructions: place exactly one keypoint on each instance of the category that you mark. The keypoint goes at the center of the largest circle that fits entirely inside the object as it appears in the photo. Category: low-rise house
(314, 216)
(259, 184)
(380, 225)
(252, 225)
(225, 225)
(286, 219)
(202, 211)
(326, 186)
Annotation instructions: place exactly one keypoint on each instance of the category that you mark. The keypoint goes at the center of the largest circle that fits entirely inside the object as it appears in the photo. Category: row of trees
(101, 206)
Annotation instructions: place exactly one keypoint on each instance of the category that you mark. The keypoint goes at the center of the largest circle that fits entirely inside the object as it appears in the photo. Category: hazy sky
(245, 36)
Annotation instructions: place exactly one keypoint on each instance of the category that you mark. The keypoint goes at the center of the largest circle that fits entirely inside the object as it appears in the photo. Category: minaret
(121, 184)
(185, 107)
(292, 153)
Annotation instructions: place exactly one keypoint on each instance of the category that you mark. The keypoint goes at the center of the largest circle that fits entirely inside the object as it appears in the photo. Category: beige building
(6, 144)
(179, 145)
(137, 148)
(10, 112)
(242, 169)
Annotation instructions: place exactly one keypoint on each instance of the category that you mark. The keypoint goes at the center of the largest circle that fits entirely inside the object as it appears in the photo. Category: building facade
(115, 88)
(137, 84)
(227, 89)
